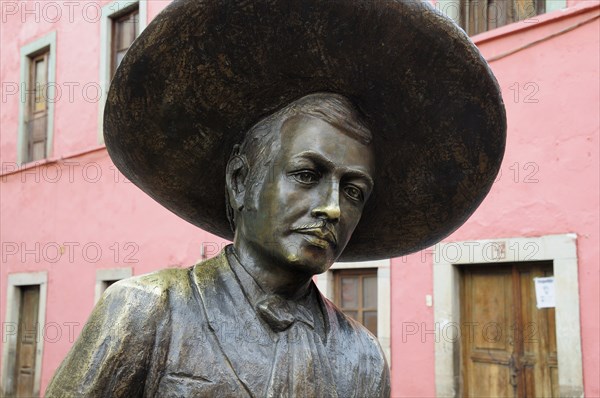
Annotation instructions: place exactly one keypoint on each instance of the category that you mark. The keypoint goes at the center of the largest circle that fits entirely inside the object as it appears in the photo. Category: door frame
(560, 249)
(13, 304)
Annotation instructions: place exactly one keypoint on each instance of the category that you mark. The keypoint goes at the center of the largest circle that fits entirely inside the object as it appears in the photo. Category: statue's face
(309, 203)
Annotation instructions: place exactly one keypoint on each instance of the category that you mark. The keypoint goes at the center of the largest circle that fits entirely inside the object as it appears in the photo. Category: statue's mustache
(320, 228)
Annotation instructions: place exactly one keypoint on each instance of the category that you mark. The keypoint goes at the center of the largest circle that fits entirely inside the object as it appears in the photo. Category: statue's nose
(329, 208)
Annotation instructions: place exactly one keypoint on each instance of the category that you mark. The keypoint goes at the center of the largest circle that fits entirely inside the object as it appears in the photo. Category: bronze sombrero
(203, 72)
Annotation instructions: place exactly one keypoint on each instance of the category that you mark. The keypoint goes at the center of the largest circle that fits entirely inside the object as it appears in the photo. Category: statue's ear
(236, 173)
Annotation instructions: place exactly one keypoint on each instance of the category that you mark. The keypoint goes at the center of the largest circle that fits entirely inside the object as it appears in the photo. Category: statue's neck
(272, 276)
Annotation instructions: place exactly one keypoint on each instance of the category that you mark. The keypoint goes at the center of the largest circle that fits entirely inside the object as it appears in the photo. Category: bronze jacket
(191, 333)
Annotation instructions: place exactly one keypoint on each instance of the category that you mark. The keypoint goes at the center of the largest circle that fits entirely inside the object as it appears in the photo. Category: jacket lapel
(246, 342)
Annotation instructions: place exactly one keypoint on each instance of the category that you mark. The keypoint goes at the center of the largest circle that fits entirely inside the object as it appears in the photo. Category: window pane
(497, 14)
(40, 87)
(39, 151)
(125, 30)
(36, 131)
(352, 314)
(40, 71)
(37, 128)
(349, 292)
(357, 295)
(135, 22)
(37, 100)
(108, 284)
(524, 9)
(120, 56)
(482, 15)
(370, 292)
(370, 321)
(125, 34)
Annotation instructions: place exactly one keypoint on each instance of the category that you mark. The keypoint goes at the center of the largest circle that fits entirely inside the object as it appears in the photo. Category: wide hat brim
(203, 72)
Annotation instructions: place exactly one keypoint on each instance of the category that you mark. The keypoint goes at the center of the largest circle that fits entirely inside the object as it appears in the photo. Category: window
(125, 28)
(357, 283)
(477, 16)
(108, 283)
(482, 15)
(24, 334)
(356, 295)
(106, 277)
(121, 22)
(36, 109)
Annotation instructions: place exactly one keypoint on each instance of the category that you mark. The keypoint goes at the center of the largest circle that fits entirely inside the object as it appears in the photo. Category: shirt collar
(256, 295)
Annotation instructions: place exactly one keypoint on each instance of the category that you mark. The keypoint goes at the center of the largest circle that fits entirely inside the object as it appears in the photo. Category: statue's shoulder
(168, 282)
(156, 283)
(368, 358)
(353, 333)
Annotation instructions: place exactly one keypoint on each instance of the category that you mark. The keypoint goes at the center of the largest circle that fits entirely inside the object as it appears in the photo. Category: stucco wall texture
(75, 214)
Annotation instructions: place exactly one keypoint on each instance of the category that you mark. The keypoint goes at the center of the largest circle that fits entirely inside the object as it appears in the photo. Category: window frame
(504, 16)
(110, 12)
(361, 273)
(325, 283)
(32, 113)
(104, 276)
(119, 17)
(454, 9)
(28, 54)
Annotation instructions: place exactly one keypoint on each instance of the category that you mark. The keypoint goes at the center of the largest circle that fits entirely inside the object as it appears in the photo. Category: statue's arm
(381, 380)
(112, 355)
(384, 384)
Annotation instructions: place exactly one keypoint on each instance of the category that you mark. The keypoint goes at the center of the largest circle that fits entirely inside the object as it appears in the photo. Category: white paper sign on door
(544, 292)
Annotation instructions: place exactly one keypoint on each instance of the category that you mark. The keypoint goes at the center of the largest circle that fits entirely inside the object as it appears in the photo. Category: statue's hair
(261, 141)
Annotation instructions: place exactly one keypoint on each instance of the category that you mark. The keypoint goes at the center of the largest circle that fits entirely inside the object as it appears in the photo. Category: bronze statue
(335, 130)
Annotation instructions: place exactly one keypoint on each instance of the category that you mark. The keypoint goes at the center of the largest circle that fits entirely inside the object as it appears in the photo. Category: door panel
(487, 307)
(511, 348)
(492, 379)
(24, 374)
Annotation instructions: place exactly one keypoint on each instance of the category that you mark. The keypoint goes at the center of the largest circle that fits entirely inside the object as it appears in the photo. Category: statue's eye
(306, 177)
(353, 192)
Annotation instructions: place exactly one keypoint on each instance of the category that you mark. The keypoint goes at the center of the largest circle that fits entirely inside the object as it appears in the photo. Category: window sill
(42, 162)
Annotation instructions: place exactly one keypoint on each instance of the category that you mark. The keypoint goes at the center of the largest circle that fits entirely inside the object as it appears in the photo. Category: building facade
(507, 305)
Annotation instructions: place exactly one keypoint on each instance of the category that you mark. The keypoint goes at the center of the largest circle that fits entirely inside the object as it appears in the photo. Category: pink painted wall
(81, 208)
(80, 205)
(78, 63)
(99, 224)
(553, 139)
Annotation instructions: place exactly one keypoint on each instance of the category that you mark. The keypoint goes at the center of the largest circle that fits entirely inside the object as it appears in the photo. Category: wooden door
(508, 345)
(24, 375)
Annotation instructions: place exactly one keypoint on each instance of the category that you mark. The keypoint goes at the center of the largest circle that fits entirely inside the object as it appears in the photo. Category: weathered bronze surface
(204, 72)
(250, 322)
(335, 130)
